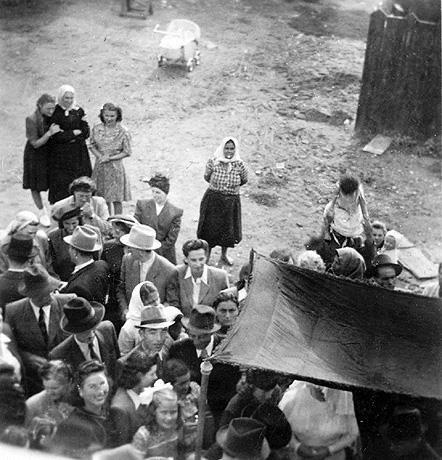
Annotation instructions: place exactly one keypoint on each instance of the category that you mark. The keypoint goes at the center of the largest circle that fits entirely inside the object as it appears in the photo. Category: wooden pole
(206, 368)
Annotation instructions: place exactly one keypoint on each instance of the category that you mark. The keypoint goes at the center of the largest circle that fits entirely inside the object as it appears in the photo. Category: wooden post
(206, 368)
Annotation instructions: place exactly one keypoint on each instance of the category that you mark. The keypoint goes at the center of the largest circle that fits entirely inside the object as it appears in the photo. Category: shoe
(226, 260)
(45, 221)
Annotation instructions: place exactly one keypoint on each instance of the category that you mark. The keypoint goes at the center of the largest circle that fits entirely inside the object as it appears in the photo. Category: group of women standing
(56, 153)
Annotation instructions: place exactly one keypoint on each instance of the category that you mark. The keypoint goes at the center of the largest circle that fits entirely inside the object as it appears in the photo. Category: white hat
(141, 237)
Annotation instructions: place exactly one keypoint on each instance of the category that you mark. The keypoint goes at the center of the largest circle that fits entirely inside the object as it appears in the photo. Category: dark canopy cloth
(337, 332)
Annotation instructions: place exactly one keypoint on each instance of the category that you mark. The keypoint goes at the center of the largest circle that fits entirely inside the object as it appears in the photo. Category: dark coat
(69, 351)
(222, 380)
(9, 282)
(167, 224)
(91, 282)
(59, 253)
(125, 419)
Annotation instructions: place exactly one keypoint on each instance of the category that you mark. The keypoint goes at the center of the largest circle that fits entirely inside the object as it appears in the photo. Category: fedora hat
(201, 320)
(154, 317)
(141, 237)
(20, 245)
(384, 260)
(37, 280)
(278, 431)
(124, 219)
(80, 315)
(84, 238)
(244, 438)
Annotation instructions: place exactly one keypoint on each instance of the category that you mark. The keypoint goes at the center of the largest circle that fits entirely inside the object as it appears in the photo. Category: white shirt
(84, 347)
(159, 207)
(209, 348)
(145, 267)
(46, 313)
(135, 398)
(7, 357)
(197, 283)
(79, 267)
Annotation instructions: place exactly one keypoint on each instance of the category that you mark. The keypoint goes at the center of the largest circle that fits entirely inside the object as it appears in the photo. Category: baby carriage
(179, 44)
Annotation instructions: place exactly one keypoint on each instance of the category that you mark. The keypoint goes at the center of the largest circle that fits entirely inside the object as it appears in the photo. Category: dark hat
(37, 280)
(65, 212)
(278, 431)
(20, 245)
(79, 315)
(244, 439)
(126, 219)
(264, 380)
(384, 260)
(404, 424)
(161, 182)
(83, 183)
(201, 320)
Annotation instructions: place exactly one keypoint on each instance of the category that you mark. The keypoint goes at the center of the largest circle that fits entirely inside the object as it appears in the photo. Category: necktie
(42, 325)
(204, 354)
(92, 351)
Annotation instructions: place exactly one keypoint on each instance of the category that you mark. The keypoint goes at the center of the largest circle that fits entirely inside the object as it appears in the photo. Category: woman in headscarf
(349, 263)
(220, 211)
(35, 160)
(69, 156)
(110, 143)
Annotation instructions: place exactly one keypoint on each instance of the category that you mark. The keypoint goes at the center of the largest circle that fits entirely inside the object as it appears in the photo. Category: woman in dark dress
(220, 212)
(35, 159)
(69, 156)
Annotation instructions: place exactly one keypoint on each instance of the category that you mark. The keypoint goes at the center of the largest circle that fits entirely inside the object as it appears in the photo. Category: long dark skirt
(220, 219)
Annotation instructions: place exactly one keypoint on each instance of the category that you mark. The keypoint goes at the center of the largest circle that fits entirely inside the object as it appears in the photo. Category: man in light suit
(199, 283)
(91, 338)
(143, 264)
(160, 214)
(35, 321)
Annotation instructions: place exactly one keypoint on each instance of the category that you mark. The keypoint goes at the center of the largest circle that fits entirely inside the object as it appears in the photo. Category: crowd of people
(103, 332)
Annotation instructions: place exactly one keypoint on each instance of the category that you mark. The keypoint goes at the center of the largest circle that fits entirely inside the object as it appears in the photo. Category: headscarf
(392, 253)
(218, 156)
(21, 220)
(135, 303)
(61, 92)
(349, 264)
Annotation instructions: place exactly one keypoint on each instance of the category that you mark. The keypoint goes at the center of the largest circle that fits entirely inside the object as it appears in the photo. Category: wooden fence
(401, 81)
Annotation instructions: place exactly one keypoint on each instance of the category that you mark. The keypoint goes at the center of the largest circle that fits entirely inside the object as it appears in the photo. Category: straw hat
(141, 237)
(124, 219)
(84, 238)
(80, 315)
(154, 317)
(201, 320)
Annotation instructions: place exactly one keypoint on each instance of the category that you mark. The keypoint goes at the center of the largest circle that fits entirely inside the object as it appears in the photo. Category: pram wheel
(161, 61)
(189, 65)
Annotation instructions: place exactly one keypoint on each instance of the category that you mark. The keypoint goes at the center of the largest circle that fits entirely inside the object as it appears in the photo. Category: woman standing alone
(220, 211)
(110, 143)
(69, 157)
(35, 159)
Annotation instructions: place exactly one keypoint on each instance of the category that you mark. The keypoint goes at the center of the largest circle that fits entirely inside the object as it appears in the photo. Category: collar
(16, 270)
(203, 276)
(4, 338)
(84, 346)
(79, 267)
(45, 307)
(134, 397)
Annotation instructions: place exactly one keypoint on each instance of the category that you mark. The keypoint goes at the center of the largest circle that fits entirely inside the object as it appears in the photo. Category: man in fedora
(113, 252)
(200, 345)
(199, 283)
(35, 321)
(90, 278)
(385, 271)
(142, 263)
(90, 337)
(243, 439)
(153, 330)
(20, 252)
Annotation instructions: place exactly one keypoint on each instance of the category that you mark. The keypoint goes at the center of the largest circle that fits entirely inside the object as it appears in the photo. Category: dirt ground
(283, 76)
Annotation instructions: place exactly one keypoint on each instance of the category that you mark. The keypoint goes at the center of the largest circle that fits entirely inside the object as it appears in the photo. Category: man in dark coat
(199, 346)
(90, 278)
(35, 321)
(19, 251)
(91, 338)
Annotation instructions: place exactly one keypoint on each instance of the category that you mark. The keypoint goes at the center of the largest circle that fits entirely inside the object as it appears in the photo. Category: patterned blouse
(111, 141)
(226, 177)
(156, 444)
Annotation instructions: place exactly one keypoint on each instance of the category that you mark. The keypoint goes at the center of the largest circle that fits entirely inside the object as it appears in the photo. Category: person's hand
(87, 210)
(36, 362)
(320, 453)
(104, 158)
(53, 129)
(77, 132)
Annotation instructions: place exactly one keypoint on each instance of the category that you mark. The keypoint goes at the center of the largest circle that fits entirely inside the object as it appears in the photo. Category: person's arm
(125, 150)
(84, 126)
(243, 174)
(209, 170)
(32, 133)
(93, 145)
(121, 288)
(172, 234)
(138, 214)
(173, 290)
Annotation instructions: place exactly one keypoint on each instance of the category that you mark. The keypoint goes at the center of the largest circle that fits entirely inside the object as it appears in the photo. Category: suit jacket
(167, 224)
(125, 419)
(9, 282)
(61, 261)
(217, 281)
(69, 351)
(91, 282)
(222, 380)
(162, 273)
